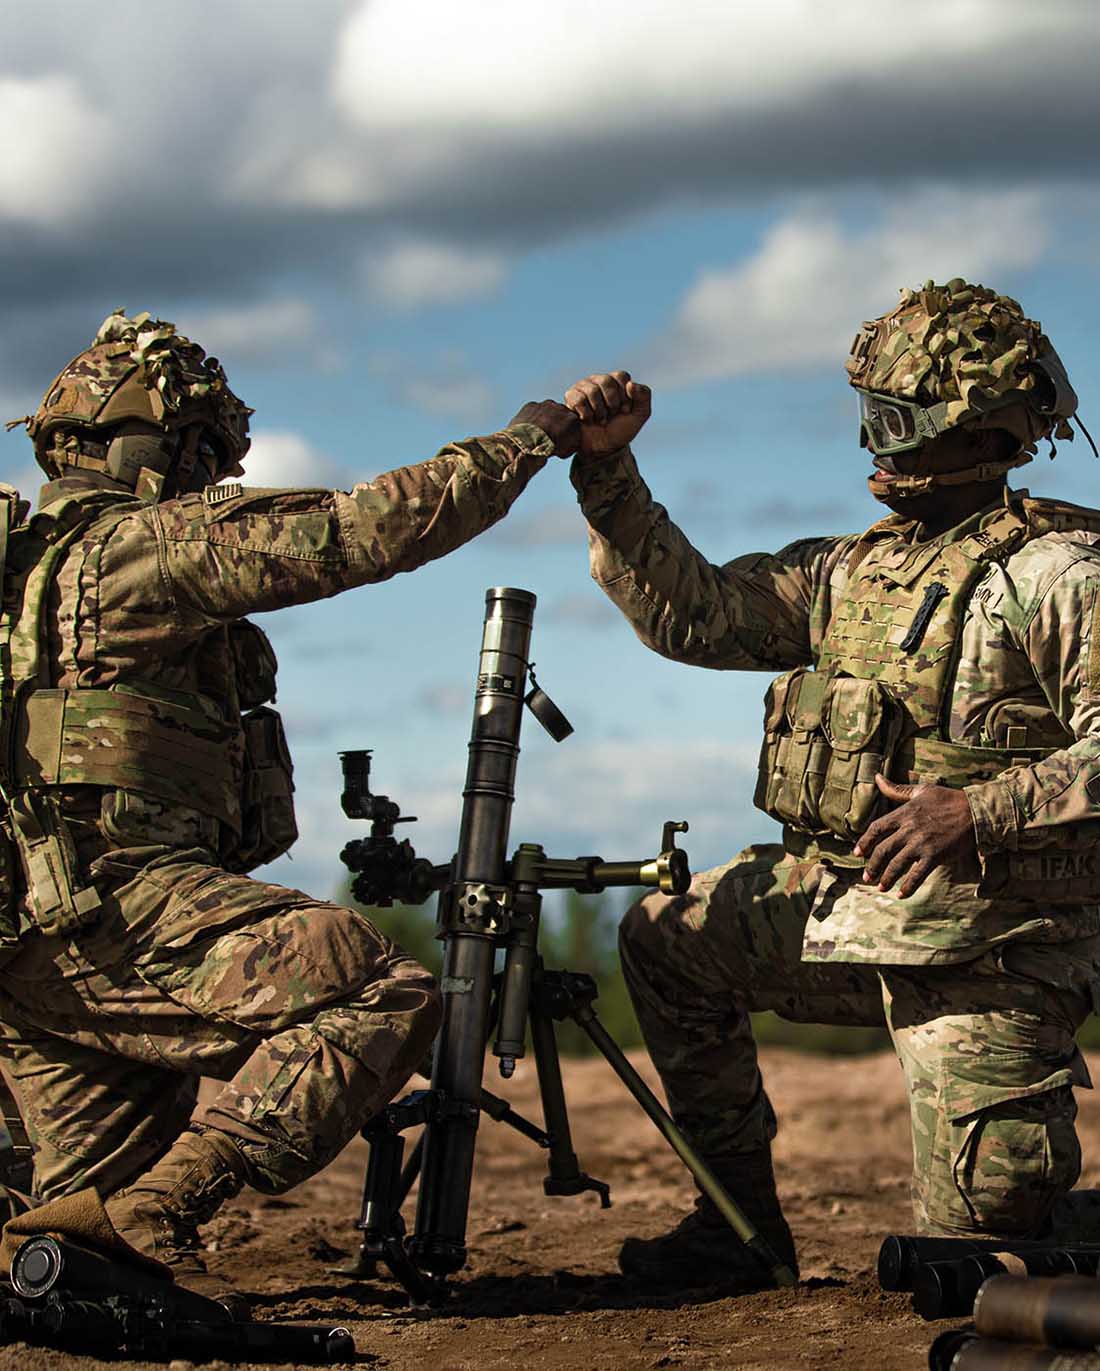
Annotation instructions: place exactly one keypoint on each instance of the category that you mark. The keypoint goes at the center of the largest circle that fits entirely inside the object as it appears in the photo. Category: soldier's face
(954, 450)
(951, 451)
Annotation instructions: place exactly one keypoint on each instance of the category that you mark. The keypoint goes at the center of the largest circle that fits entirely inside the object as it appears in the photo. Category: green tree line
(579, 933)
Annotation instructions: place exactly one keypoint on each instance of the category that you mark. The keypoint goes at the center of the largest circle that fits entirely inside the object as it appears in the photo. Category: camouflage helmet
(968, 356)
(139, 372)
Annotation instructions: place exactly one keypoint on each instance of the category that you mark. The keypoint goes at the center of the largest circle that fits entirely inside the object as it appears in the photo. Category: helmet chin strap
(906, 487)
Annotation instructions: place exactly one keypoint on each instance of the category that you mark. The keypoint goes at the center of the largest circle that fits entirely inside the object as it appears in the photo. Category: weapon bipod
(555, 996)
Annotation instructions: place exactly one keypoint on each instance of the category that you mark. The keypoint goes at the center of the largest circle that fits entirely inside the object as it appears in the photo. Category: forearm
(750, 614)
(1032, 805)
(415, 514)
(1053, 626)
(260, 550)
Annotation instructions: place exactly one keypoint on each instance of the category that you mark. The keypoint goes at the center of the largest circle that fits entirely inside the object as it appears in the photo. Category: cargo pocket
(1006, 1152)
(862, 722)
(794, 756)
(776, 745)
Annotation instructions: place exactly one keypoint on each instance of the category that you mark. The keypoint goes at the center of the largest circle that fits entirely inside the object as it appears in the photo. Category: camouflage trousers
(310, 1016)
(987, 1046)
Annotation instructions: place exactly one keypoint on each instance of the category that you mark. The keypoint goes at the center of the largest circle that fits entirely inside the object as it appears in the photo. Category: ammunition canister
(948, 1289)
(990, 1354)
(901, 1255)
(1057, 1311)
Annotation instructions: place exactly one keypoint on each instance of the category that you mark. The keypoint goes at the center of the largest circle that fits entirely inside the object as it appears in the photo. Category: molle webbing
(58, 527)
(128, 741)
(899, 621)
(955, 764)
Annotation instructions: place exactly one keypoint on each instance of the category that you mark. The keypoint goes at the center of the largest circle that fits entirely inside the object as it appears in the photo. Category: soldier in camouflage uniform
(144, 773)
(932, 749)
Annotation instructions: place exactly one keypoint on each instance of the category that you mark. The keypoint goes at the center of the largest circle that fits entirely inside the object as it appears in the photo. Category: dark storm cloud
(227, 156)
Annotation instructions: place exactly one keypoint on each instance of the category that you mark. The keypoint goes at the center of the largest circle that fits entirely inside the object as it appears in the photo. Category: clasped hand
(601, 414)
(931, 826)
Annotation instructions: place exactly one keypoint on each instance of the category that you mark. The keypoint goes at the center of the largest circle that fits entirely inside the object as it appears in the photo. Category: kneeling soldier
(932, 749)
(144, 772)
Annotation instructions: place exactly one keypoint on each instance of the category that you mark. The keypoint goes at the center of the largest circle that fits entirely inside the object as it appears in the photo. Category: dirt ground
(542, 1288)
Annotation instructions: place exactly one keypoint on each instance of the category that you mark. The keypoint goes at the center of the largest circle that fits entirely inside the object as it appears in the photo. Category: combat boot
(160, 1213)
(704, 1250)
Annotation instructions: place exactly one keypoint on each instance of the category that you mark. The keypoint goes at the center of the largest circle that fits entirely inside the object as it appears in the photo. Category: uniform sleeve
(228, 553)
(1061, 637)
(755, 613)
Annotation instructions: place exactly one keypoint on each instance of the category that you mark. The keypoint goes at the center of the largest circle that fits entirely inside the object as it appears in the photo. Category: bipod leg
(565, 1176)
(380, 1215)
(385, 1189)
(579, 992)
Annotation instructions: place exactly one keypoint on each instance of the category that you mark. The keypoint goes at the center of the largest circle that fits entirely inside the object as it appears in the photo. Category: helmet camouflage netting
(972, 351)
(139, 369)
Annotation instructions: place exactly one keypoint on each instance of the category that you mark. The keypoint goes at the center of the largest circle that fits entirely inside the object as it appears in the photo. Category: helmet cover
(139, 369)
(969, 356)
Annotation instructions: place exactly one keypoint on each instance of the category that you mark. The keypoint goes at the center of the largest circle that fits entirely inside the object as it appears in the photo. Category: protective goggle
(887, 424)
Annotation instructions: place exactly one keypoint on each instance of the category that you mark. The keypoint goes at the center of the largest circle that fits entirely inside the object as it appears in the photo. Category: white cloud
(599, 788)
(54, 138)
(412, 275)
(280, 458)
(447, 386)
(279, 330)
(574, 798)
(501, 69)
(608, 797)
(798, 301)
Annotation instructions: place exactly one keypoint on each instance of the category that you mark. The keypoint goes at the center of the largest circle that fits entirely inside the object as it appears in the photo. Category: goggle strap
(985, 471)
(930, 421)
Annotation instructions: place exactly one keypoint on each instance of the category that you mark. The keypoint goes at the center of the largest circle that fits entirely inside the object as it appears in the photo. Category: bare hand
(612, 409)
(559, 424)
(931, 827)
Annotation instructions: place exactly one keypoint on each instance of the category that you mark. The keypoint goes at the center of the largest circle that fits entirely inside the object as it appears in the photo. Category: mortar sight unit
(490, 902)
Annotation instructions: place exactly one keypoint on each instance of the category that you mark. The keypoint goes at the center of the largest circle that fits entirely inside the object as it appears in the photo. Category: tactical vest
(225, 758)
(879, 699)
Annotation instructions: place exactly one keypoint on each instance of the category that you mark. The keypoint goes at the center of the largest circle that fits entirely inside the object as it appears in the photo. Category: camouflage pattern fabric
(1026, 675)
(307, 1012)
(961, 345)
(987, 1046)
(137, 368)
(152, 594)
(303, 1008)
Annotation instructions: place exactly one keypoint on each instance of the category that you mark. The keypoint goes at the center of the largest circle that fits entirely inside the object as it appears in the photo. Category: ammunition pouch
(268, 826)
(1060, 869)
(254, 664)
(58, 903)
(1043, 872)
(825, 737)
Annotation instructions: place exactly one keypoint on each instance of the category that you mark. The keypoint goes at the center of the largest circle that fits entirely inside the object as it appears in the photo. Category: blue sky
(396, 222)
